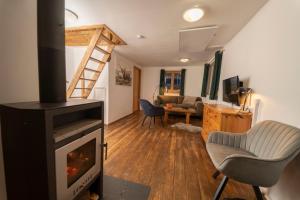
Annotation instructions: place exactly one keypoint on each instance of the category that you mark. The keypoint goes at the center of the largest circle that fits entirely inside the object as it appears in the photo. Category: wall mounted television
(231, 90)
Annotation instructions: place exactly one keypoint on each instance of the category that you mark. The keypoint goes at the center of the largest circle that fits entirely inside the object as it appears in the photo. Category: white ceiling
(160, 21)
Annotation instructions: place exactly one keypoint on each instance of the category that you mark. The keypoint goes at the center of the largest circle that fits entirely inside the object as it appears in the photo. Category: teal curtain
(216, 76)
(162, 82)
(182, 82)
(205, 80)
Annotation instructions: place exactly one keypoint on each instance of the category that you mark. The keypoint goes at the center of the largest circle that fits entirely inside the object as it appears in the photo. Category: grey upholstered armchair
(151, 111)
(256, 158)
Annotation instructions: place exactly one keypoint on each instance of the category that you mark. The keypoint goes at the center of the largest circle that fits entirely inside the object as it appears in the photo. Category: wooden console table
(187, 113)
(224, 118)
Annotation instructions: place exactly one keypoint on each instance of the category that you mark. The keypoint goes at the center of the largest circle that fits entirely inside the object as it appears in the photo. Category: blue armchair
(151, 111)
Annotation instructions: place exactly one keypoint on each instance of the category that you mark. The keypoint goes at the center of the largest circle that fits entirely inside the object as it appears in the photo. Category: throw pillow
(189, 100)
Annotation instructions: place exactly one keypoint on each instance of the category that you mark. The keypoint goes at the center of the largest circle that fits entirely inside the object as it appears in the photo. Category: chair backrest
(273, 140)
(146, 106)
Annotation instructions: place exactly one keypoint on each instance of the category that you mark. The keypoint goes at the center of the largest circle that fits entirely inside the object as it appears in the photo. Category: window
(172, 82)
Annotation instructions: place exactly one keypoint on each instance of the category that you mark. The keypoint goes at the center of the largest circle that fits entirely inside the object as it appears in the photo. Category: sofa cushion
(189, 100)
(180, 99)
(167, 99)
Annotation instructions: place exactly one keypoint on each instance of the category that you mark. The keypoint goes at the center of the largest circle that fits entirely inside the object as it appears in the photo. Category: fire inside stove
(80, 161)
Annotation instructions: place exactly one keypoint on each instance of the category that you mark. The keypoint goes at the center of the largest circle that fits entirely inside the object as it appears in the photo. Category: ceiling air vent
(196, 39)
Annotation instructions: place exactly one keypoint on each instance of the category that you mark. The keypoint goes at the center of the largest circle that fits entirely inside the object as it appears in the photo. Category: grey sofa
(256, 158)
(162, 100)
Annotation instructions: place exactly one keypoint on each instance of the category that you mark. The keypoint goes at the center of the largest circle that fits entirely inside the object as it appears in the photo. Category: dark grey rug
(118, 189)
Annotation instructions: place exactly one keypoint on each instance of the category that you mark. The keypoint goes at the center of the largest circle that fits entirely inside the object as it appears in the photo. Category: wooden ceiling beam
(81, 36)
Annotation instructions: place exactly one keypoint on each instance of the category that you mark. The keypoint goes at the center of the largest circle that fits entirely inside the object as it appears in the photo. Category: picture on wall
(123, 76)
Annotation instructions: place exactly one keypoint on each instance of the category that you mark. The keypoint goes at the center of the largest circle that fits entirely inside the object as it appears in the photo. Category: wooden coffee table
(187, 112)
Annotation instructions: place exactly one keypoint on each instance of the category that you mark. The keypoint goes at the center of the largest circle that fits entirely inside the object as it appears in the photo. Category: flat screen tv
(231, 90)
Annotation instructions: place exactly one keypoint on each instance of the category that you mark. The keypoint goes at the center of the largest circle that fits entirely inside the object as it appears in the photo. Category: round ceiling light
(193, 14)
(184, 60)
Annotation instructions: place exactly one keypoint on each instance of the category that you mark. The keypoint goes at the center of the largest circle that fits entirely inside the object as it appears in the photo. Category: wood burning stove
(52, 151)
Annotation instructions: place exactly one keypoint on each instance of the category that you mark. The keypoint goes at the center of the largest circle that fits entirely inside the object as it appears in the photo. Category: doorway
(136, 89)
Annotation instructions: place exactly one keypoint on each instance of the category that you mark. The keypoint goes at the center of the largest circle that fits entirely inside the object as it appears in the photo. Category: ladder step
(92, 70)
(87, 79)
(96, 60)
(83, 88)
(101, 50)
(107, 39)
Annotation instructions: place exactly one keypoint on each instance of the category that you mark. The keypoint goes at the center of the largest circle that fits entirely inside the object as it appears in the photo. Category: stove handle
(105, 146)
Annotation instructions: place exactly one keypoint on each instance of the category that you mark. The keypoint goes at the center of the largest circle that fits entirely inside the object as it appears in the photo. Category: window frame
(173, 75)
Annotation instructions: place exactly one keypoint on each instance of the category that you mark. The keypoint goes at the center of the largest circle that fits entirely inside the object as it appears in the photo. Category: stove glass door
(80, 160)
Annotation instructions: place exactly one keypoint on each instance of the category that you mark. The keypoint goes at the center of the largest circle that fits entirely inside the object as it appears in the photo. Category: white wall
(266, 52)
(19, 73)
(151, 76)
(73, 59)
(103, 84)
(18, 63)
(120, 97)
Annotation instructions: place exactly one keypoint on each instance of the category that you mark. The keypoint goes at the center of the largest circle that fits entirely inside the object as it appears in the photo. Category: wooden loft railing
(100, 42)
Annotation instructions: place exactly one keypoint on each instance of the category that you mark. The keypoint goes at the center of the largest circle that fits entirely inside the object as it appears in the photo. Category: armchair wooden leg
(258, 193)
(154, 120)
(144, 120)
(216, 174)
(221, 188)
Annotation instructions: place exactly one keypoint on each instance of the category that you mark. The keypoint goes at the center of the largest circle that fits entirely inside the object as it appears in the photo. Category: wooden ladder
(98, 53)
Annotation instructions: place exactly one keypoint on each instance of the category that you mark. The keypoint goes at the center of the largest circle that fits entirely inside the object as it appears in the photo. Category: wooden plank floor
(173, 163)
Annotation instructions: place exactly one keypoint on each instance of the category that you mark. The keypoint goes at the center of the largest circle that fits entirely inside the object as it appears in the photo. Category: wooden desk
(187, 113)
(222, 118)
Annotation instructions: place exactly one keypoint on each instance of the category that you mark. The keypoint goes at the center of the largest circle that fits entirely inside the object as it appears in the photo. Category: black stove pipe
(51, 51)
